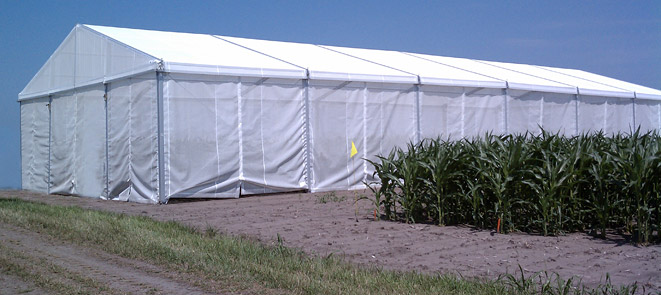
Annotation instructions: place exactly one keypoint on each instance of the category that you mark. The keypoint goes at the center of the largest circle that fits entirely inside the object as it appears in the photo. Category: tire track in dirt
(121, 275)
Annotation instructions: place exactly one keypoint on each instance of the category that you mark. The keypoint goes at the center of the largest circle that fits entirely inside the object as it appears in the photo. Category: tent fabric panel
(648, 115)
(272, 126)
(119, 145)
(427, 70)
(389, 121)
(441, 112)
(63, 142)
(198, 49)
(132, 140)
(326, 63)
(201, 137)
(530, 110)
(611, 115)
(649, 93)
(525, 111)
(559, 113)
(513, 77)
(336, 119)
(484, 111)
(35, 135)
(583, 84)
(58, 72)
(90, 144)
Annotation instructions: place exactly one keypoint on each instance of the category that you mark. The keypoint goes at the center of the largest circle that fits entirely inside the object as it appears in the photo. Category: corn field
(547, 183)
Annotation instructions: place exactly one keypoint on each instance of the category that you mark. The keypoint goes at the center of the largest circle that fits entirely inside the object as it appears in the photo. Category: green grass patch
(234, 264)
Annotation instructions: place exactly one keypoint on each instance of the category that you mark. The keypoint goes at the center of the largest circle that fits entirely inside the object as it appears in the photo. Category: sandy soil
(321, 225)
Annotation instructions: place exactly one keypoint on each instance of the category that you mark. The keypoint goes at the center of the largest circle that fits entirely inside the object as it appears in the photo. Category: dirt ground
(321, 224)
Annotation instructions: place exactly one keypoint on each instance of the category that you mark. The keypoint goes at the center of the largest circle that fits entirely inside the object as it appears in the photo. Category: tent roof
(140, 50)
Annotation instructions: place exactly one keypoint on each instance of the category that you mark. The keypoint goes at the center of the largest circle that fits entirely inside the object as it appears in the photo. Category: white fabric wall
(63, 131)
(390, 121)
(34, 144)
(90, 142)
(648, 115)
(272, 130)
(458, 112)
(225, 132)
(201, 136)
(336, 119)
(609, 114)
(78, 142)
(133, 140)
(530, 110)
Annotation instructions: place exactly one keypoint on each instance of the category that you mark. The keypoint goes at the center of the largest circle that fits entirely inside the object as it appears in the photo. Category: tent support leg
(161, 150)
(506, 111)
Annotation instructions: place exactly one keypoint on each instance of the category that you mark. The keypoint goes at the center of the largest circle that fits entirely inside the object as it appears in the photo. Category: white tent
(147, 116)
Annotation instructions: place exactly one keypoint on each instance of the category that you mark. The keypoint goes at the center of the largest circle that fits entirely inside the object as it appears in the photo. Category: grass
(546, 183)
(232, 264)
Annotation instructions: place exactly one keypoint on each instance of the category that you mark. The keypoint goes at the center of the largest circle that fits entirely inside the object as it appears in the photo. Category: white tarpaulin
(145, 116)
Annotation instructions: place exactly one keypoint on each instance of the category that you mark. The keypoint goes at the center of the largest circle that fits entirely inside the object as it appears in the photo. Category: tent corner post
(161, 149)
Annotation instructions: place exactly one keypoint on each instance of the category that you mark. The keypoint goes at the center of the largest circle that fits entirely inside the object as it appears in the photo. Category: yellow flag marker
(354, 151)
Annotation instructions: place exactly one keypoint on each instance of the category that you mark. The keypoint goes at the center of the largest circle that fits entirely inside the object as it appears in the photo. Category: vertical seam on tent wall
(506, 112)
(463, 113)
(346, 136)
(160, 144)
(20, 142)
(50, 139)
(75, 142)
(541, 112)
(166, 118)
(215, 111)
(605, 114)
(576, 100)
(416, 112)
(105, 103)
(261, 129)
(365, 131)
(633, 109)
(308, 143)
(240, 126)
(130, 139)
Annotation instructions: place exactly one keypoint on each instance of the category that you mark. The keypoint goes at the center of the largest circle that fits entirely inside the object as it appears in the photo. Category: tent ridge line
(262, 53)
(454, 67)
(527, 74)
(367, 60)
(586, 79)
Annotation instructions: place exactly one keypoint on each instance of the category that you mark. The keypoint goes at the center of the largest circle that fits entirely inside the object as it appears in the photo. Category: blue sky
(620, 39)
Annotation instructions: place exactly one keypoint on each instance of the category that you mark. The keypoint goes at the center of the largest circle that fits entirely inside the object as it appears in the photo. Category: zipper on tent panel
(161, 149)
(308, 138)
(105, 102)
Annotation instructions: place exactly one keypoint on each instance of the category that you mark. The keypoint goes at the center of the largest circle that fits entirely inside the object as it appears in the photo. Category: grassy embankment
(234, 264)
